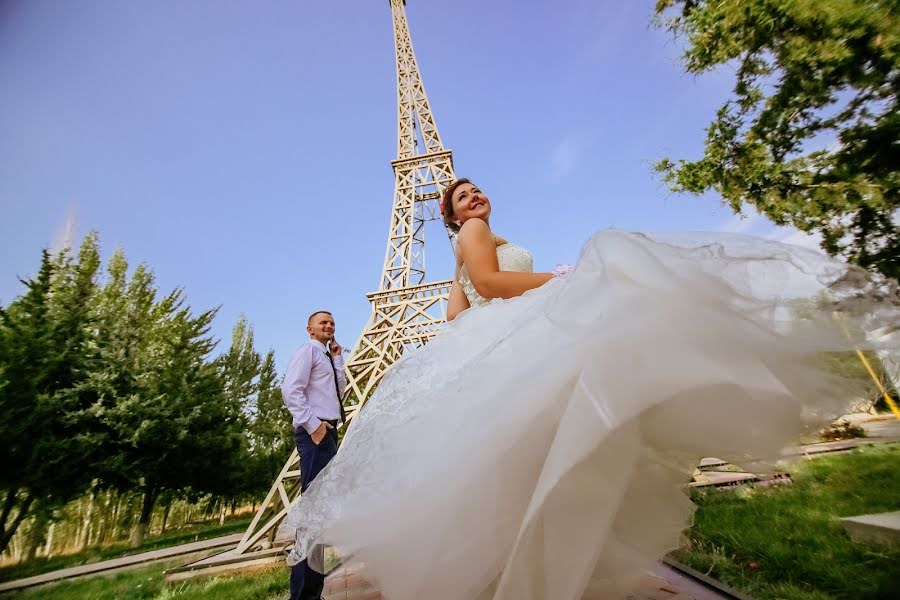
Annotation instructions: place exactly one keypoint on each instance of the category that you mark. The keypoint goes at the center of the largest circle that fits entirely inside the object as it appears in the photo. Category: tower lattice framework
(406, 310)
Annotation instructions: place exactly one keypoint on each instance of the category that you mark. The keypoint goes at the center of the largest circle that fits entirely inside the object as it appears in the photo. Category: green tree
(239, 373)
(160, 404)
(252, 387)
(175, 432)
(112, 388)
(122, 365)
(48, 439)
(25, 347)
(808, 73)
(272, 424)
(271, 431)
(240, 366)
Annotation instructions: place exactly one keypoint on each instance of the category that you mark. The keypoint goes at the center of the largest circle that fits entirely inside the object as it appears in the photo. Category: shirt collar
(318, 345)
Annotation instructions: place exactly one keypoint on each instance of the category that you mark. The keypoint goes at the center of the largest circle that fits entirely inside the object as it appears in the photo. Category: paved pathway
(133, 560)
(348, 583)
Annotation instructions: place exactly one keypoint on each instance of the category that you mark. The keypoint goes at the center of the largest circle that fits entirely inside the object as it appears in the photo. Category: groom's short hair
(318, 312)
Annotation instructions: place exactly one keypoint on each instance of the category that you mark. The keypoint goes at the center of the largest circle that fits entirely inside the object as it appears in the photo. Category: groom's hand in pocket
(319, 434)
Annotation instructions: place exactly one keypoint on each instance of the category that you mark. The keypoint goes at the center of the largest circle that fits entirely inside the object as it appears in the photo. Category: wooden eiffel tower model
(406, 310)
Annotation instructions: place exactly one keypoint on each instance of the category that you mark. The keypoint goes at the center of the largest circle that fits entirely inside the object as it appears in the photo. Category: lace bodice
(510, 258)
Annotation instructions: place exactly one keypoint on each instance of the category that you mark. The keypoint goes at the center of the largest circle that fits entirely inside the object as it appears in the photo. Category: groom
(312, 391)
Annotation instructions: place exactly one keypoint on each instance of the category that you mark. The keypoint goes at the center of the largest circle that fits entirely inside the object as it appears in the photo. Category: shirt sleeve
(294, 390)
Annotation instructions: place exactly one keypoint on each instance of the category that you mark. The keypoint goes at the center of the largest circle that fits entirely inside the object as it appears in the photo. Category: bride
(539, 446)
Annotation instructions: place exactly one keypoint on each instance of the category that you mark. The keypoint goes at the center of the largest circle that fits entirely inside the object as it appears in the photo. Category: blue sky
(242, 149)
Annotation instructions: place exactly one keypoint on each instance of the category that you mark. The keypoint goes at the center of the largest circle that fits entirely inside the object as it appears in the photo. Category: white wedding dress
(540, 446)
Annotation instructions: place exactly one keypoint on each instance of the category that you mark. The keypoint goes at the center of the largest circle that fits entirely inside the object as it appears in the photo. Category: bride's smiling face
(470, 203)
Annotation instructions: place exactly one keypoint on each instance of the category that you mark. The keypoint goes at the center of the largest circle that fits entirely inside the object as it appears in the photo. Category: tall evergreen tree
(175, 430)
(121, 359)
(111, 386)
(48, 333)
(271, 432)
(169, 429)
(25, 343)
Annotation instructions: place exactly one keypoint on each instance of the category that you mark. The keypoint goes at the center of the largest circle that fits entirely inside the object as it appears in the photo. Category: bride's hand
(562, 270)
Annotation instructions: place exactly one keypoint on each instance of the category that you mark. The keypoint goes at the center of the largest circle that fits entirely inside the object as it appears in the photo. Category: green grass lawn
(784, 542)
(781, 542)
(148, 584)
(176, 537)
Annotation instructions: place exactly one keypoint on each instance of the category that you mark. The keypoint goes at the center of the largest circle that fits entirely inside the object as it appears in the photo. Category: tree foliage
(810, 134)
(106, 384)
(46, 334)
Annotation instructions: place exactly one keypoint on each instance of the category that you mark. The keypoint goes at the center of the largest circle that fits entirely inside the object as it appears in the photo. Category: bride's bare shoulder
(473, 227)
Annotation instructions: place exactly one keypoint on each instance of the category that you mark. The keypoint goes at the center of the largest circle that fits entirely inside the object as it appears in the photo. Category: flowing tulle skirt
(541, 446)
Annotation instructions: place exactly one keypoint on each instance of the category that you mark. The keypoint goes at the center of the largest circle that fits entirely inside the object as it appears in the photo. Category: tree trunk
(49, 545)
(222, 513)
(6, 534)
(113, 531)
(38, 533)
(102, 526)
(11, 494)
(86, 522)
(140, 529)
(165, 517)
(14, 550)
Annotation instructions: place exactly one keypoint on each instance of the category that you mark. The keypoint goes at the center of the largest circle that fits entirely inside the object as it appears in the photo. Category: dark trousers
(307, 584)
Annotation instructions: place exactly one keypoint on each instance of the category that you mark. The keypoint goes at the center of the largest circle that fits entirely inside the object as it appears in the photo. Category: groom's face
(321, 327)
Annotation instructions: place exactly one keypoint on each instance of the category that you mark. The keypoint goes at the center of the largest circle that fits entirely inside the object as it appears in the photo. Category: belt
(332, 422)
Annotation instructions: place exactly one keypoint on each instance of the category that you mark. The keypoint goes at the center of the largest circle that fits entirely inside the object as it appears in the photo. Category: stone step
(883, 528)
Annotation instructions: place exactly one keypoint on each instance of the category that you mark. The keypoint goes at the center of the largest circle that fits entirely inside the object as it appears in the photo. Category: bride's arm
(479, 252)
(457, 302)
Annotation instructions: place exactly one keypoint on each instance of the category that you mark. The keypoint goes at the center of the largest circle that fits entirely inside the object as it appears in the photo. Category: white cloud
(564, 157)
(791, 235)
(753, 223)
(741, 223)
(65, 237)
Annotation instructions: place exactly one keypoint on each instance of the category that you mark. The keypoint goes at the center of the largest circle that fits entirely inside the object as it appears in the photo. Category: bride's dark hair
(447, 202)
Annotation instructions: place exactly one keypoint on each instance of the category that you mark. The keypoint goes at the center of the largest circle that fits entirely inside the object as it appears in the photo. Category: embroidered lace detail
(511, 258)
